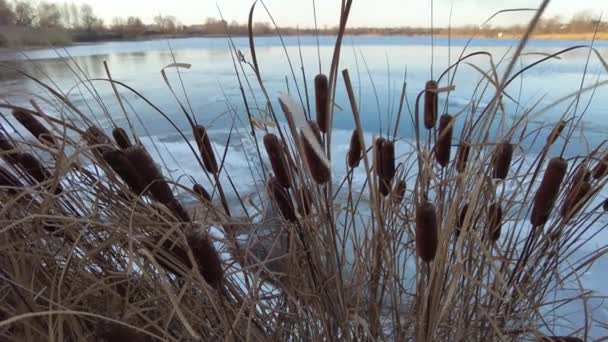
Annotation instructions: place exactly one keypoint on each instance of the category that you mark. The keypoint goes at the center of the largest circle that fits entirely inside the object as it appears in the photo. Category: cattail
(153, 179)
(97, 139)
(431, 104)
(114, 332)
(601, 168)
(319, 171)
(121, 137)
(443, 147)
(304, 201)
(399, 191)
(605, 205)
(461, 218)
(555, 133)
(322, 98)
(119, 162)
(274, 149)
(495, 221)
(582, 175)
(388, 166)
(8, 148)
(33, 167)
(35, 127)
(462, 156)
(204, 146)
(378, 155)
(426, 231)
(576, 194)
(170, 256)
(281, 199)
(502, 160)
(202, 193)
(207, 258)
(548, 190)
(8, 180)
(559, 339)
(354, 152)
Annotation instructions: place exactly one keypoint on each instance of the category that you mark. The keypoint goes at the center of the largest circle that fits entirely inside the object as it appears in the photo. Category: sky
(378, 13)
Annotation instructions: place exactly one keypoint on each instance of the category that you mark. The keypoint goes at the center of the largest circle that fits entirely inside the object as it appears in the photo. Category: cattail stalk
(318, 169)
(206, 150)
(322, 98)
(502, 160)
(274, 149)
(548, 191)
(426, 231)
(122, 138)
(431, 104)
(443, 147)
(354, 151)
(462, 156)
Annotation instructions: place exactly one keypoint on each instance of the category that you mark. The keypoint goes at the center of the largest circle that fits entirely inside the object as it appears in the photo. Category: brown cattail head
(202, 193)
(35, 127)
(431, 104)
(555, 133)
(274, 149)
(582, 175)
(119, 162)
(121, 137)
(399, 191)
(462, 156)
(605, 205)
(204, 146)
(319, 170)
(388, 167)
(304, 201)
(33, 167)
(152, 178)
(97, 140)
(548, 190)
(559, 339)
(601, 168)
(354, 152)
(206, 257)
(443, 147)
(281, 199)
(426, 231)
(322, 98)
(9, 153)
(8, 180)
(460, 221)
(495, 221)
(573, 202)
(502, 159)
(378, 155)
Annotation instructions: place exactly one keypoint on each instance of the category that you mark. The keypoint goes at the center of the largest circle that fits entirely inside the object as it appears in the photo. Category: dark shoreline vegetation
(450, 236)
(22, 24)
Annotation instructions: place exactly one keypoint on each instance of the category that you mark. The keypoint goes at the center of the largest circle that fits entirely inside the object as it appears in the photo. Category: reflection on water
(378, 66)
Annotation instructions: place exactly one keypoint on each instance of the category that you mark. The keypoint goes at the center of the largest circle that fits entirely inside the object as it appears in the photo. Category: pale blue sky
(364, 13)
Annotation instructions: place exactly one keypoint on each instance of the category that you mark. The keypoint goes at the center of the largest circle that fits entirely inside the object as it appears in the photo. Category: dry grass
(95, 244)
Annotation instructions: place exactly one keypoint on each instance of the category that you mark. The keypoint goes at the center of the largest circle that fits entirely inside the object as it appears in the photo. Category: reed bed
(99, 241)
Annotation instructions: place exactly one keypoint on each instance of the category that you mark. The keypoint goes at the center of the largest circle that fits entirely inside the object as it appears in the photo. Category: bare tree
(6, 14)
(25, 14)
(90, 22)
(49, 15)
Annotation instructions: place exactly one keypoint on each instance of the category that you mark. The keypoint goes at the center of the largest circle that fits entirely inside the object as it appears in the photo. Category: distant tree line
(82, 24)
